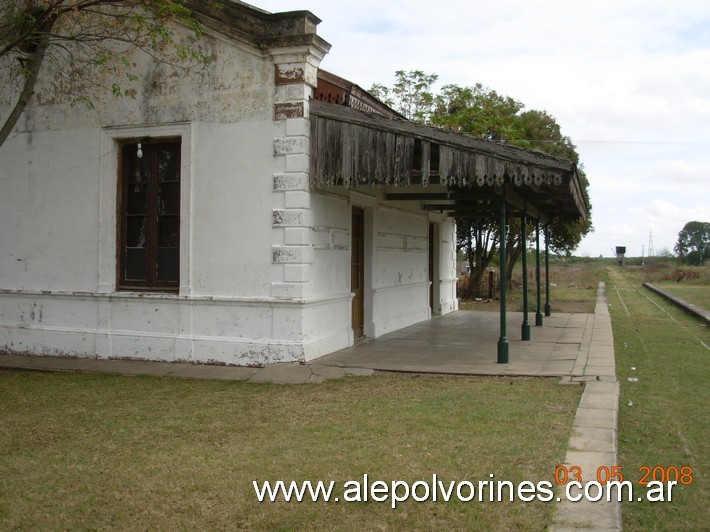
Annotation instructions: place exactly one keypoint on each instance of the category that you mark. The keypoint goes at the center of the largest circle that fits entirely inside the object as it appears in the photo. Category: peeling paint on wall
(285, 74)
(283, 111)
(292, 254)
(290, 145)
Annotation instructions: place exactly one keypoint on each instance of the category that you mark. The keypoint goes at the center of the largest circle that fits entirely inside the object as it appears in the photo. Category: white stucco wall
(231, 209)
(400, 270)
(58, 193)
(49, 183)
(396, 289)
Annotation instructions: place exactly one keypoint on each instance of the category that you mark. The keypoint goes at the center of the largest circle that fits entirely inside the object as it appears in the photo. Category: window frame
(151, 283)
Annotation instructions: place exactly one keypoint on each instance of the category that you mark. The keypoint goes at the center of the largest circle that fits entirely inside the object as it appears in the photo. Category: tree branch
(78, 32)
(35, 64)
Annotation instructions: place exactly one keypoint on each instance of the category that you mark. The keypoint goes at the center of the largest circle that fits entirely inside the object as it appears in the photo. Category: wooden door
(357, 270)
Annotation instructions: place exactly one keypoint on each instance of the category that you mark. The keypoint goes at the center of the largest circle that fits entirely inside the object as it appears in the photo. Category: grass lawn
(573, 288)
(101, 451)
(663, 417)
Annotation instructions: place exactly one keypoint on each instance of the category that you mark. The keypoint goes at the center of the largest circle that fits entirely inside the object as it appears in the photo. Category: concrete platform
(689, 308)
(465, 343)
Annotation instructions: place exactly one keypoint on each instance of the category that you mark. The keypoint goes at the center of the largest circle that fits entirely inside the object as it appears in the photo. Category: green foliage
(565, 235)
(693, 245)
(83, 38)
(542, 132)
(410, 95)
(479, 112)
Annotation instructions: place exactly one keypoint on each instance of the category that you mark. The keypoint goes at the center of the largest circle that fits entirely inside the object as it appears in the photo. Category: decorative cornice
(258, 28)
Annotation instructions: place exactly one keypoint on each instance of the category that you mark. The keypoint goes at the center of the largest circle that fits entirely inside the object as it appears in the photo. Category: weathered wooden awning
(447, 171)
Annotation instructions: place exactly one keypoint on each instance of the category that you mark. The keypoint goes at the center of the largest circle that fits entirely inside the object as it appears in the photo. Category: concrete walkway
(575, 347)
(282, 373)
(594, 434)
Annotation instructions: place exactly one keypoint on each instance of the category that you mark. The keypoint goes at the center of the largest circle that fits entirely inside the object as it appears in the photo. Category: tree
(693, 245)
(410, 95)
(478, 240)
(484, 113)
(82, 37)
(479, 112)
(542, 132)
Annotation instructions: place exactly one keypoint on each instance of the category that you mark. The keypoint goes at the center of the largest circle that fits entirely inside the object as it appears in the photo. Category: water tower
(620, 251)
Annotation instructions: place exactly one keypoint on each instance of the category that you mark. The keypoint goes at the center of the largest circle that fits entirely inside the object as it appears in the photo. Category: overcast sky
(627, 80)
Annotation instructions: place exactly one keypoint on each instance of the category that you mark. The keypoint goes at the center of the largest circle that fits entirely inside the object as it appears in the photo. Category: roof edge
(334, 89)
(442, 136)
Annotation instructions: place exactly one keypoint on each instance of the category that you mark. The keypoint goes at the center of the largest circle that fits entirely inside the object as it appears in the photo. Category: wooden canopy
(446, 171)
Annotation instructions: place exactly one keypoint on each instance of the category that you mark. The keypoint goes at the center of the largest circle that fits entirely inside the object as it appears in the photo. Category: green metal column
(525, 327)
(503, 340)
(538, 313)
(548, 308)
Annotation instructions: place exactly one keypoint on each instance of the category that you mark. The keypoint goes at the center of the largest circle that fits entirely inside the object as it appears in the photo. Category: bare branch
(34, 67)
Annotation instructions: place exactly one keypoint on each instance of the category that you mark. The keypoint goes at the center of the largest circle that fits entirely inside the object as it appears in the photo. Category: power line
(677, 142)
(651, 142)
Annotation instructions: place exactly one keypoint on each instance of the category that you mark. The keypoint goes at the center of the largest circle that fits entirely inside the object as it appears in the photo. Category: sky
(628, 81)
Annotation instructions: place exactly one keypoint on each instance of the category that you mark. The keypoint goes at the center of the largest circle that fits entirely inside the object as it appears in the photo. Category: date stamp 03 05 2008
(682, 475)
(652, 478)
